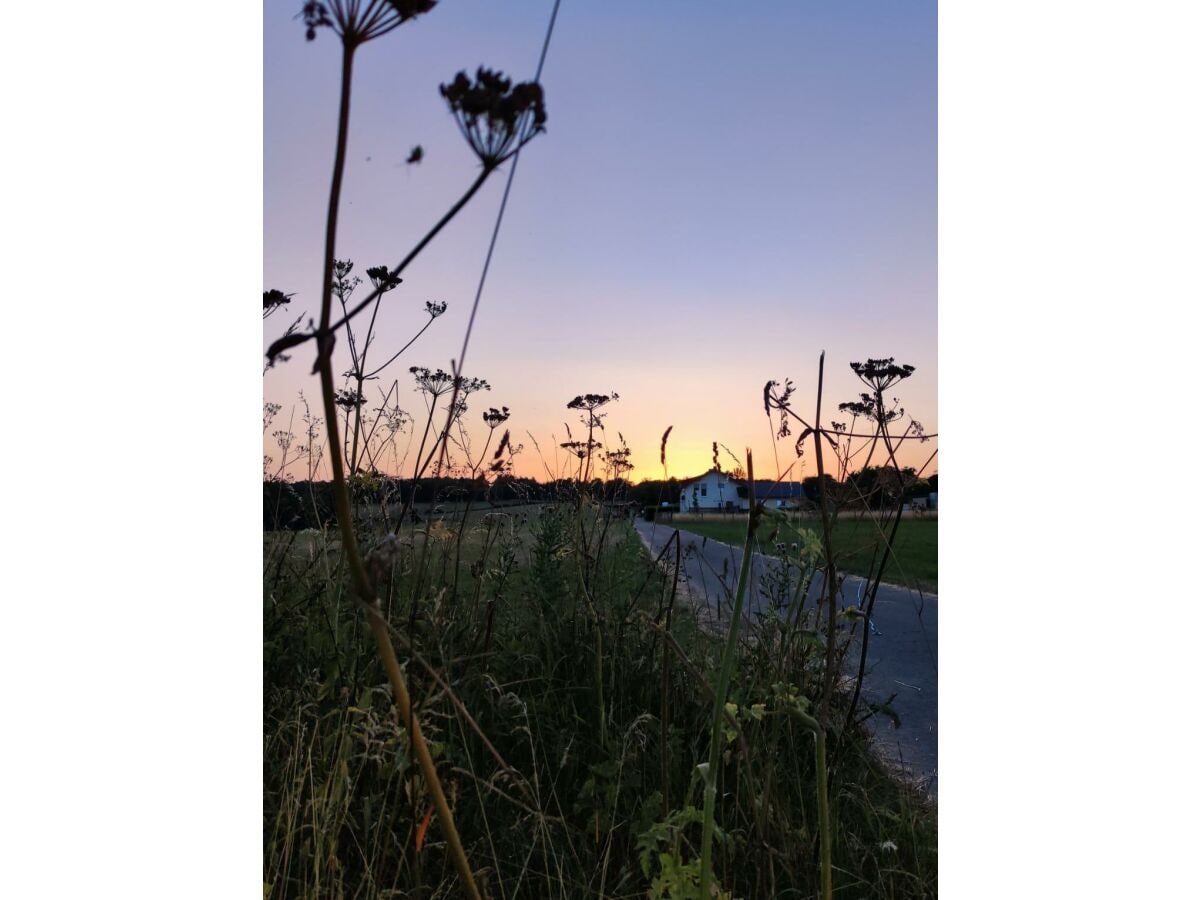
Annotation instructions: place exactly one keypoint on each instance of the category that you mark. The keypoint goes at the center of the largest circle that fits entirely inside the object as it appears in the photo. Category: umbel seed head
(495, 116)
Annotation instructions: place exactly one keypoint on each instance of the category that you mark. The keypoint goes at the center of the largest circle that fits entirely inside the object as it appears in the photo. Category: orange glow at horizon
(642, 251)
(696, 420)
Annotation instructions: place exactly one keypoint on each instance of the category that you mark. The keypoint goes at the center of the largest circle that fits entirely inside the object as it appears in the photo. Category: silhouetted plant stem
(462, 527)
(727, 659)
(359, 580)
(597, 626)
(830, 565)
(379, 415)
(357, 422)
(873, 591)
(830, 639)
(412, 254)
(395, 356)
(665, 711)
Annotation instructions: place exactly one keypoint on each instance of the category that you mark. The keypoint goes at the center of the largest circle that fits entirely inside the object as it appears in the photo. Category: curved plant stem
(822, 800)
(359, 580)
(714, 750)
(412, 254)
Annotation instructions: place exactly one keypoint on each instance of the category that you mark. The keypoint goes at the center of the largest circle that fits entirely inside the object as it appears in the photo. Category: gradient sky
(718, 197)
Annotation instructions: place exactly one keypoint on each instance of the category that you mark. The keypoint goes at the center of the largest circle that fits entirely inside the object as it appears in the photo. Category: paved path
(901, 653)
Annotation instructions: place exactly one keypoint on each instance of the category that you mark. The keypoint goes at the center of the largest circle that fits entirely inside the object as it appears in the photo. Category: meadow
(481, 685)
(912, 562)
(567, 701)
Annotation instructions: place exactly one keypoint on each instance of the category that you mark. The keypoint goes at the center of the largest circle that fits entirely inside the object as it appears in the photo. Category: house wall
(713, 491)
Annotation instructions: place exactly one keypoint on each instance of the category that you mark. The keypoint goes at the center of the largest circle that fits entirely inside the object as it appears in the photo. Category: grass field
(567, 737)
(857, 540)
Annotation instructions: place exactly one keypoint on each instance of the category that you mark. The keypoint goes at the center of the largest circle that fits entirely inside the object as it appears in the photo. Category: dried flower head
(467, 386)
(348, 399)
(434, 383)
(617, 461)
(315, 16)
(495, 417)
(775, 398)
(872, 407)
(359, 21)
(589, 403)
(382, 278)
(273, 300)
(343, 284)
(435, 308)
(881, 374)
(495, 116)
(580, 448)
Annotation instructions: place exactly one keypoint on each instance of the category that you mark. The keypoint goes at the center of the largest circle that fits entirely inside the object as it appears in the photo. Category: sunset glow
(715, 201)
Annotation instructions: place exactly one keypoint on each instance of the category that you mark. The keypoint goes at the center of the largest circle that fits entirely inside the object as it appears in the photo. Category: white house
(712, 490)
(717, 491)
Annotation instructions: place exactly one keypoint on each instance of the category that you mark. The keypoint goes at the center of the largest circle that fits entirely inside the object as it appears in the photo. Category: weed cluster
(568, 702)
(543, 734)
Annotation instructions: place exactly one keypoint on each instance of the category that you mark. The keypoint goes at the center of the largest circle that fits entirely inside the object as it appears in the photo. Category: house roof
(687, 481)
(763, 490)
(778, 490)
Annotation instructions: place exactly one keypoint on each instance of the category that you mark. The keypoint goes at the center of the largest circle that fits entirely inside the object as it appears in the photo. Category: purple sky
(718, 197)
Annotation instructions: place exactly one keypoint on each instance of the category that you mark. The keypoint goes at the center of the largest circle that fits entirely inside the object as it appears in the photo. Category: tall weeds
(497, 119)
(554, 749)
(727, 662)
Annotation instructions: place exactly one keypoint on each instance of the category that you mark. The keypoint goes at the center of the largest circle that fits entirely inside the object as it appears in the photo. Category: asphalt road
(901, 650)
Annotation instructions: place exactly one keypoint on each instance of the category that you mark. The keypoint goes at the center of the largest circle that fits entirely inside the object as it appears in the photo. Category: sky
(718, 197)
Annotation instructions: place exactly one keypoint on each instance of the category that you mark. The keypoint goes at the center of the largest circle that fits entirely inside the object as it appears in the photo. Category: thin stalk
(822, 725)
(359, 580)
(727, 658)
(872, 592)
(598, 670)
(665, 711)
(412, 254)
(396, 355)
(823, 819)
(822, 801)
(357, 424)
(475, 471)
(830, 566)
(889, 542)
(379, 415)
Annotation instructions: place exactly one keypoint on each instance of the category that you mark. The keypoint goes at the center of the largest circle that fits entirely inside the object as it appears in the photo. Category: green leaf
(886, 710)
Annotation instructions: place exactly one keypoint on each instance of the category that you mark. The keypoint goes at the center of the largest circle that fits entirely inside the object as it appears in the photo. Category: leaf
(886, 710)
(423, 828)
(808, 636)
(800, 441)
(286, 343)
